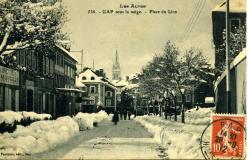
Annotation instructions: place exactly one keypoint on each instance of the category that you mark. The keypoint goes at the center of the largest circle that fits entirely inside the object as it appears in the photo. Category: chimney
(101, 73)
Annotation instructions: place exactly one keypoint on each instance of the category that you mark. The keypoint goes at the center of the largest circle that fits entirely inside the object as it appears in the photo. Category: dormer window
(83, 78)
(92, 78)
(109, 94)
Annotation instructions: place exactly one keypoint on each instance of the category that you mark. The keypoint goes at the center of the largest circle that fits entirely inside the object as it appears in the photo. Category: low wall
(238, 86)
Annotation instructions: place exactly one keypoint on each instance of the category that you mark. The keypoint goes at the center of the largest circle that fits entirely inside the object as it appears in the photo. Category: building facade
(9, 88)
(237, 17)
(35, 81)
(238, 87)
(101, 91)
(65, 78)
(238, 65)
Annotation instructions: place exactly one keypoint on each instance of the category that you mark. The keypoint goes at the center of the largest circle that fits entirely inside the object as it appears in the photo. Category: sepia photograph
(123, 79)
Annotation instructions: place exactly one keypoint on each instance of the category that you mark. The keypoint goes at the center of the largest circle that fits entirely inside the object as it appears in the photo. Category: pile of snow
(181, 141)
(86, 120)
(110, 117)
(9, 117)
(132, 116)
(35, 116)
(201, 116)
(38, 137)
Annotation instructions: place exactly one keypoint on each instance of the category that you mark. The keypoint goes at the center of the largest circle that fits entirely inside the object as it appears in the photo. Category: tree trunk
(175, 107)
(4, 42)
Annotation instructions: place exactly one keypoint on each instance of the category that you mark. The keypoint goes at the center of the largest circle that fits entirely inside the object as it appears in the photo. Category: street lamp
(183, 103)
(174, 103)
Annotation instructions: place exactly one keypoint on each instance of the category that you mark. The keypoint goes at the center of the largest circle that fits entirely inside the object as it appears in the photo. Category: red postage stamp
(227, 136)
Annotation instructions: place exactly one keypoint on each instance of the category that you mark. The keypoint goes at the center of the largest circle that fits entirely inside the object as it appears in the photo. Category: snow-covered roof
(131, 86)
(79, 84)
(70, 90)
(68, 53)
(89, 76)
(131, 77)
(119, 83)
(236, 6)
(240, 57)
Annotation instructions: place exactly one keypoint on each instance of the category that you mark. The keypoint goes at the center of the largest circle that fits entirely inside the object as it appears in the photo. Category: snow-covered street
(127, 140)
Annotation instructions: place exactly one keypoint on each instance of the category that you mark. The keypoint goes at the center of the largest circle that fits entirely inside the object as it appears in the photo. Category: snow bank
(35, 116)
(10, 117)
(37, 137)
(181, 141)
(86, 120)
(200, 116)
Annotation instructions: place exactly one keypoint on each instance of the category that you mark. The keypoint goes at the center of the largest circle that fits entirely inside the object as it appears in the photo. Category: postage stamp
(227, 136)
(224, 137)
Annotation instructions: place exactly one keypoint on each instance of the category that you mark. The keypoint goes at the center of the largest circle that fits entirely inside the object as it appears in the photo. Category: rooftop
(67, 52)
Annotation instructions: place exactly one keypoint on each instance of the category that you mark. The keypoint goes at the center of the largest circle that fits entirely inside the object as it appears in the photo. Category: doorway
(30, 100)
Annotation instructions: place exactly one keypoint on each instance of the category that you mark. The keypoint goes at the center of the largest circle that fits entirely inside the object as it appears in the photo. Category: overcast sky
(136, 37)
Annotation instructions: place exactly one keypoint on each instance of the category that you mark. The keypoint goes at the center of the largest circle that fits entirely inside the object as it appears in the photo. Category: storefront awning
(72, 90)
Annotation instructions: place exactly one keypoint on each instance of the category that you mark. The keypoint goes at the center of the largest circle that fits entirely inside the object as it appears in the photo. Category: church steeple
(116, 70)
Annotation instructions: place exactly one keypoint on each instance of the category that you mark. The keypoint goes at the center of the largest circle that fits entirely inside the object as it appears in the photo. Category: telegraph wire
(196, 6)
(196, 19)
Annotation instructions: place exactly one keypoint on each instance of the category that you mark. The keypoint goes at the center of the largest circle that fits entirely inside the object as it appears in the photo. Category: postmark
(224, 137)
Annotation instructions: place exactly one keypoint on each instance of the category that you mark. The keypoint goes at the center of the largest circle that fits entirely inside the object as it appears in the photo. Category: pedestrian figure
(115, 118)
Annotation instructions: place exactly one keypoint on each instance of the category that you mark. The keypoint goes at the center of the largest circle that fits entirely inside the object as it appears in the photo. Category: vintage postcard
(123, 79)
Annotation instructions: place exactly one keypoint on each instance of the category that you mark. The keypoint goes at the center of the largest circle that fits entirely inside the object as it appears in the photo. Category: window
(73, 73)
(69, 71)
(26, 57)
(57, 58)
(83, 78)
(1, 98)
(47, 65)
(7, 98)
(92, 78)
(66, 70)
(93, 100)
(34, 57)
(62, 61)
(108, 102)
(109, 94)
(92, 89)
(179, 98)
(44, 64)
(188, 98)
(51, 64)
(234, 23)
(22, 57)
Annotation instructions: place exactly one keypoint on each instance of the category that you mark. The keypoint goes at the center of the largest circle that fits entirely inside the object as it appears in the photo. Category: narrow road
(127, 140)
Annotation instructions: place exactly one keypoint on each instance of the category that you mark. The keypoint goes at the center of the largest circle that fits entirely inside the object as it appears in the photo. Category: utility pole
(228, 91)
(93, 65)
(82, 59)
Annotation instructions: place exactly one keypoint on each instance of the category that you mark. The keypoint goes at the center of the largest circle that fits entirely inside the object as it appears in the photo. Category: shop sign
(9, 76)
